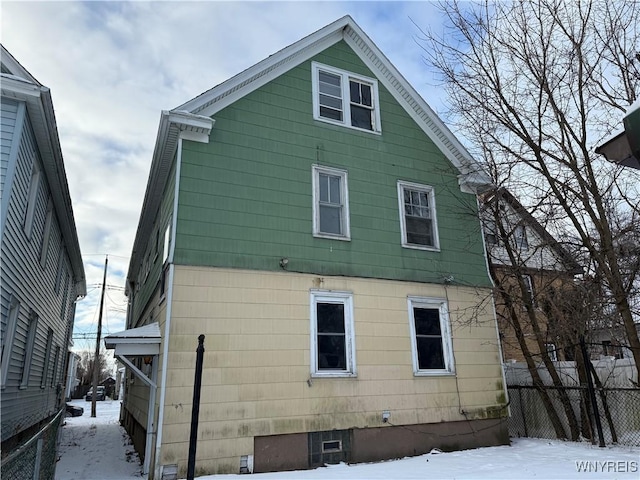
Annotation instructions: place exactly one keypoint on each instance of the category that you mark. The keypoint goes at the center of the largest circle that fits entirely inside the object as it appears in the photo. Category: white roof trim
(472, 177)
(221, 96)
(145, 334)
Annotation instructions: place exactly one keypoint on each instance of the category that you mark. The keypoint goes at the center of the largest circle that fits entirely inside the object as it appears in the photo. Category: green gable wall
(245, 198)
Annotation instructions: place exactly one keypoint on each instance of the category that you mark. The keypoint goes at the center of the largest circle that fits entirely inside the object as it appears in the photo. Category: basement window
(331, 446)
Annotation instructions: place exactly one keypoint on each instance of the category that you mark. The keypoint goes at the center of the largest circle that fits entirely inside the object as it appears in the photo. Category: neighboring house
(624, 147)
(317, 222)
(41, 266)
(610, 342)
(522, 252)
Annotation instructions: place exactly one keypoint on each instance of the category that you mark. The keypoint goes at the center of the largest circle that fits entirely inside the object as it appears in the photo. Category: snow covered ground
(98, 448)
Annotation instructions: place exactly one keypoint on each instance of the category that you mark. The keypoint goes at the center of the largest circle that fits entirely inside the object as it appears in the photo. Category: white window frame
(46, 235)
(445, 329)
(552, 351)
(7, 341)
(32, 199)
(28, 351)
(167, 242)
(429, 190)
(344, 193)
(346, 97)
(346, 299)
(47, 359)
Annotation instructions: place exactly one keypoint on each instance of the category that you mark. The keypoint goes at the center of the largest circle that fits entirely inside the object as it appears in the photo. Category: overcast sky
(112, 67)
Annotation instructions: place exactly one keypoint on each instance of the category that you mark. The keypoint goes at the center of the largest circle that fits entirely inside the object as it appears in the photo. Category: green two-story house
(317, 222)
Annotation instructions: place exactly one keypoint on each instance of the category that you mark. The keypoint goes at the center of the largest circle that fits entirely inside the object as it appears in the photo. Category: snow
(98, 448)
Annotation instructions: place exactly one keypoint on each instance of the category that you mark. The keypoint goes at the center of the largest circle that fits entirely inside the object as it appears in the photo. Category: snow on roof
(634, 106)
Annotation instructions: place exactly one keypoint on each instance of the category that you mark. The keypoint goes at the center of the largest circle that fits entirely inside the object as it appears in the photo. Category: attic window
(343, 98)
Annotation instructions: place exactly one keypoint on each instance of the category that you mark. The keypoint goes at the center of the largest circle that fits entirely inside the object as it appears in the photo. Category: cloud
(114, 66)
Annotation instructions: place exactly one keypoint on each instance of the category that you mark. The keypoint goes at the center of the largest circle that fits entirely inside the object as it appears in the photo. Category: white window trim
(34, 190)
(445, 329)
(10, 332)
(28, 351)
(315, 181)
(47, 359)
(346, 299)
(346, 96)
(167, 242)
(403, 224)
(46, 235)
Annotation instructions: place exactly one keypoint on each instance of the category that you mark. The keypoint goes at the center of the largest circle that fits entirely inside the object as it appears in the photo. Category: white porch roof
(141, 341)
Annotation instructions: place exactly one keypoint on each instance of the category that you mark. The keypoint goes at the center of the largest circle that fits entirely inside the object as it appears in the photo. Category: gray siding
(8, 113)
(33, 285)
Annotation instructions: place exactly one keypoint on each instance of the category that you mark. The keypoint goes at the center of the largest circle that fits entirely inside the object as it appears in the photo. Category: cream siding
(257, 379)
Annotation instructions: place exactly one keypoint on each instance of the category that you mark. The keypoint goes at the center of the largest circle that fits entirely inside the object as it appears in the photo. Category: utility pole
(96, 357)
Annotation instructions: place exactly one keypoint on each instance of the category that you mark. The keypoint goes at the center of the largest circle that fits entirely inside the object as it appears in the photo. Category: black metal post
(592, 393)
(195, 410)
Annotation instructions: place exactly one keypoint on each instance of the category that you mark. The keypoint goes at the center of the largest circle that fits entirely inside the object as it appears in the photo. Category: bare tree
(536, 86)
(85, 367)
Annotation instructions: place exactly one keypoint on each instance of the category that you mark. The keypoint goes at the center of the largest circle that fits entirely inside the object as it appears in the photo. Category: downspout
(493, 305)
(150, 415)
(167, 323)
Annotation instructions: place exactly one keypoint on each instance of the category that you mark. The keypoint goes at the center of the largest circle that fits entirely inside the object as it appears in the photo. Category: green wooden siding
(245, 198)
(148, 286)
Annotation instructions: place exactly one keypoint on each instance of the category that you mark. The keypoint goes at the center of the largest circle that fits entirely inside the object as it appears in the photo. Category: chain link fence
(618, 410)
(36, 458)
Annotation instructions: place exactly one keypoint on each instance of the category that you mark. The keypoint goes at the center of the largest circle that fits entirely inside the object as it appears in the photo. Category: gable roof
(19, 84)
(200, 109)
(345, 28)
(502, 194)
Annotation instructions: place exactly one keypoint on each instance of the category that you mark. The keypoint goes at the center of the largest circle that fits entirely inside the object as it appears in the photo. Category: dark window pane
(334, 190)
(324, 187)
(361, 117)
(365, 91)
(331, 113)
(427, 321)
(330, 317)
(354, 89)
(331, 352)
(330, 221)
(419, 231)
(430, 353)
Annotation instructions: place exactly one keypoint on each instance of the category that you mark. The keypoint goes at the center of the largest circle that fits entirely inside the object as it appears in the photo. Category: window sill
(420, 247)
(333, 375)
(332, 237)
(434, 373)
(344, 125)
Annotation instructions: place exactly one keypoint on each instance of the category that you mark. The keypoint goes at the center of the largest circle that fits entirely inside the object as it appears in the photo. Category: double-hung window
(345, 98)
(330, 203)
(332, 335)
(430, 336)
(418, 216)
